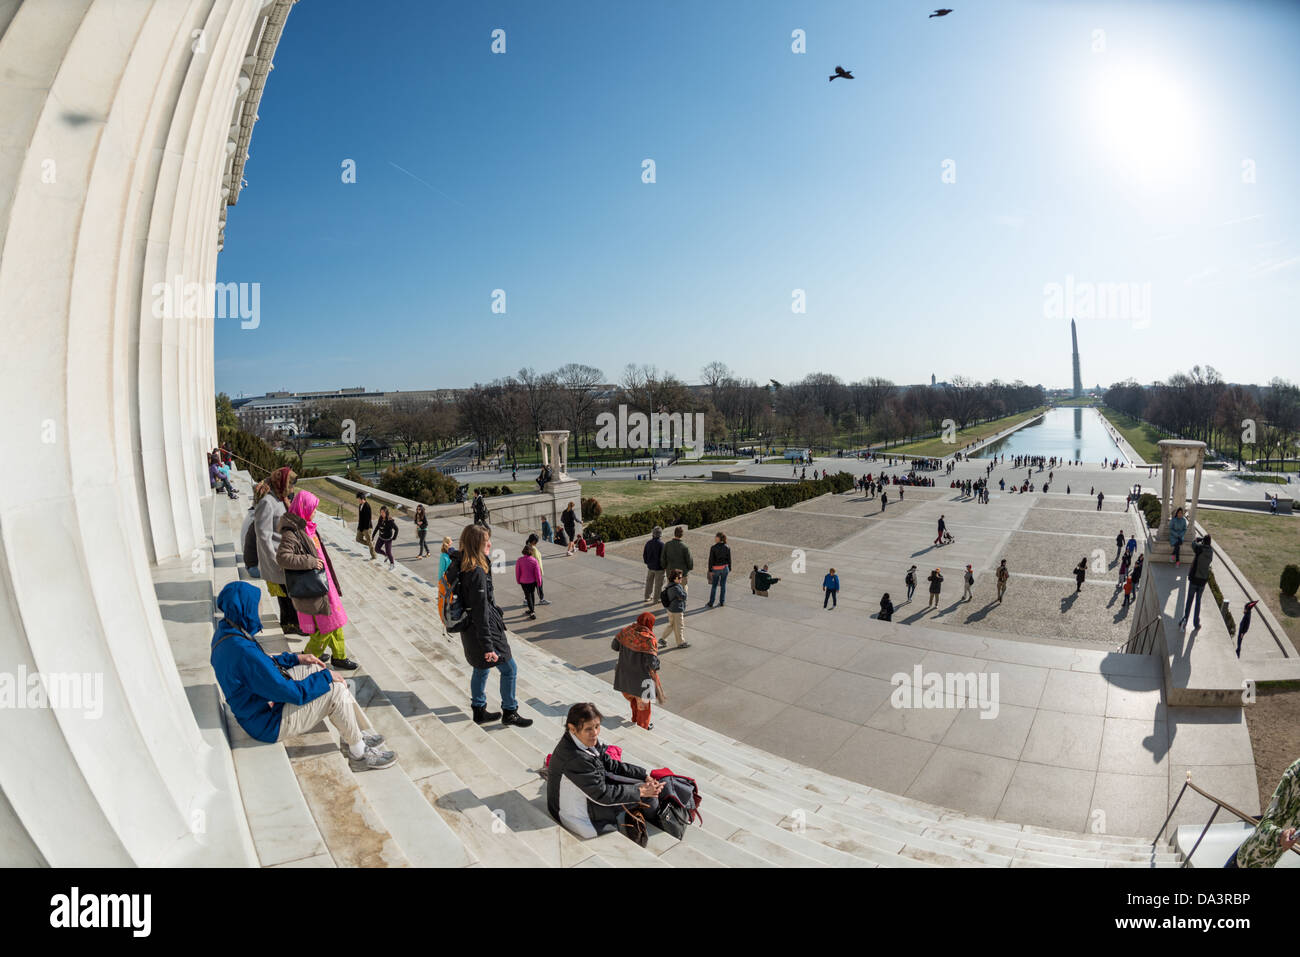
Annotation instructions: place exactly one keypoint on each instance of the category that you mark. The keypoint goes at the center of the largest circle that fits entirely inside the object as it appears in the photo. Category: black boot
(484, 716)
(512, 717)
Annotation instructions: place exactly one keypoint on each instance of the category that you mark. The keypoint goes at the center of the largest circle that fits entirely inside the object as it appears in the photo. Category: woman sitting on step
(588, 792)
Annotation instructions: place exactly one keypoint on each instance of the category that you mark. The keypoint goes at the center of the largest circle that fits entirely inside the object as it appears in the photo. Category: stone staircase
(465, 795)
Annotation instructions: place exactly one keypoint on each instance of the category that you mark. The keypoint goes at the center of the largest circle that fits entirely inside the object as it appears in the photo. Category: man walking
(910, 581)
(1100, 496)
(676, 556)
(651, 554)
(938, 539)
(1002, 576)
(363, 524)
(968, 580)
(1119, 543)
(1197, 578)
(1131, 547)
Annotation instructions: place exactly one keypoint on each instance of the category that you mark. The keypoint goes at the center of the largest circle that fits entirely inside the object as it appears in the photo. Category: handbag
(306, 583)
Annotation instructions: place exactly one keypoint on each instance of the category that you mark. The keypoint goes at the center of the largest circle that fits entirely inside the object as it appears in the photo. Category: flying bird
(939, 13)
(841, 72)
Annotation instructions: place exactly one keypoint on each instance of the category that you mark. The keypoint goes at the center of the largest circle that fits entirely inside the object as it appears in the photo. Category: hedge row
(1150, 506)
(491, 490)
(613, 528)
(426, 486)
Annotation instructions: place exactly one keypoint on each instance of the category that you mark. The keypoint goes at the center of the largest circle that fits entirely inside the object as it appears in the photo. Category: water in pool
(1076, 433)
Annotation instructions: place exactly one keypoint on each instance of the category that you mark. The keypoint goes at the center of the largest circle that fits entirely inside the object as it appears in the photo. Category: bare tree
(578, 383)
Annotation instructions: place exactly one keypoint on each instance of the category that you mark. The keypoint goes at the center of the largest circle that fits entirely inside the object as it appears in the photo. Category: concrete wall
(113, 153)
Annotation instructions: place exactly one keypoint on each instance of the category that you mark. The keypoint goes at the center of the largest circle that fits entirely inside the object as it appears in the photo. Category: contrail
(430, 185)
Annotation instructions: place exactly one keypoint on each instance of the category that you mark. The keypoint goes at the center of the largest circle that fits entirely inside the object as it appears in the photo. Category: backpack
(450, 607)
(664, 599)
(910, 579)
(250, 547)
(679, 802)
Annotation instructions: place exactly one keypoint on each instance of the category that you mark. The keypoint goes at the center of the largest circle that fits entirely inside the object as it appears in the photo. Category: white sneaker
(373, 760)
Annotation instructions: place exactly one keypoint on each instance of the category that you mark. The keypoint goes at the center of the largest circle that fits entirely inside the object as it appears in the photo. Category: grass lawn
(938, 447)
(334, 501)
(616, 496)
(1141, 436)
(336, 458)
(1261, 545)
(1085, 401)
(625, 497)
(1272, 479)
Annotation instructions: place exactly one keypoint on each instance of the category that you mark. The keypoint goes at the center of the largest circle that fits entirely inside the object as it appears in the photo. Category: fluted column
(111, 158)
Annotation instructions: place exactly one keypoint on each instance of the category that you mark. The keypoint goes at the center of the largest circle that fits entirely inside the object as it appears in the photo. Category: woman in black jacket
(484, 638)
(569, 518)
(385, 533)
(719, 568)
(588, 792)
(886, 608)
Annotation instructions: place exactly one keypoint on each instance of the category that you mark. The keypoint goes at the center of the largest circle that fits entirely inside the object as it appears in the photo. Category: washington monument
(1078, 381)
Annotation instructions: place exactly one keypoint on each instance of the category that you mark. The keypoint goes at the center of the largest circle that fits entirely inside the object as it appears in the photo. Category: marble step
(1057, 860)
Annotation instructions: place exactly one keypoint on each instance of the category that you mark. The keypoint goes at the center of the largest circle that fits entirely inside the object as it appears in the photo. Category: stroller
(947, 538)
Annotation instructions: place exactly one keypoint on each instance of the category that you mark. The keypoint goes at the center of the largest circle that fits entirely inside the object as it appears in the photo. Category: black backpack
(664, 599)
(679, 804)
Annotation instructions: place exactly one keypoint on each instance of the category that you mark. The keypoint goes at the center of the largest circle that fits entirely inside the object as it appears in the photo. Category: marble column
(115, 117)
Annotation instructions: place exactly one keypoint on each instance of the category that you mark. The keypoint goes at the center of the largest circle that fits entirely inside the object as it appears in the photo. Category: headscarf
(640, 636)
(259, 491)
(279, 482)
(304, 506)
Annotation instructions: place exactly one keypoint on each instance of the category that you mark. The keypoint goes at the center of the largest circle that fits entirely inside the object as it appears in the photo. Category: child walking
(831, 584)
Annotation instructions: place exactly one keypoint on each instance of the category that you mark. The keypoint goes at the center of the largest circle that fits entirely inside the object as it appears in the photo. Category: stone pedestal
(1176, 457)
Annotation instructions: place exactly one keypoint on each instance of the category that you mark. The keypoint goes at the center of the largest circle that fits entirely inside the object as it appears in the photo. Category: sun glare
(1144, 120)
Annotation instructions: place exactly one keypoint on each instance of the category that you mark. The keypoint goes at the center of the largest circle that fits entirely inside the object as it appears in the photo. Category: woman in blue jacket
(274, 697)
(1177, 531)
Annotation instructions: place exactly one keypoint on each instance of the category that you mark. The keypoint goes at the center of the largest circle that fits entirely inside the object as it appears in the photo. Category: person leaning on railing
(1276, 830)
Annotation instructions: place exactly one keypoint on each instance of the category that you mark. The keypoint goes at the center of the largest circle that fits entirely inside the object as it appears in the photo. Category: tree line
(1233, 419)
(819, 411)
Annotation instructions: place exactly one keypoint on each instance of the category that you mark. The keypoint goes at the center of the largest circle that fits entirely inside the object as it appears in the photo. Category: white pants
(338, 705)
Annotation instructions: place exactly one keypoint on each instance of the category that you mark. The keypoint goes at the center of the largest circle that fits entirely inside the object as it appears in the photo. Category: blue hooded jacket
(256, 692)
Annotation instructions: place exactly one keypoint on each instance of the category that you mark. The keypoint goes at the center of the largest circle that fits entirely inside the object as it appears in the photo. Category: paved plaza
(1078, 728)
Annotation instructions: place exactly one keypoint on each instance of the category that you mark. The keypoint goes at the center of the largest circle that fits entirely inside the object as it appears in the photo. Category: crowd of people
(590, 789)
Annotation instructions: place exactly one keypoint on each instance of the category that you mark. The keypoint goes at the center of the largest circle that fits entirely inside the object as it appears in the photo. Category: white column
(102, 402)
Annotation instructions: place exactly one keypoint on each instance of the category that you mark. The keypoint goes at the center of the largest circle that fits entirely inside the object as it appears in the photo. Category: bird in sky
(939, 13)
(841, 72)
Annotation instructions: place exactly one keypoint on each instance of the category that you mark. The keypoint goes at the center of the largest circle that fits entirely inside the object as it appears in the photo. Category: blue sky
(1078, 158)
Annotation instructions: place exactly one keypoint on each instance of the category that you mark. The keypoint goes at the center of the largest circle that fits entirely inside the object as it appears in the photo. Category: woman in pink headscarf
(322, 617)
